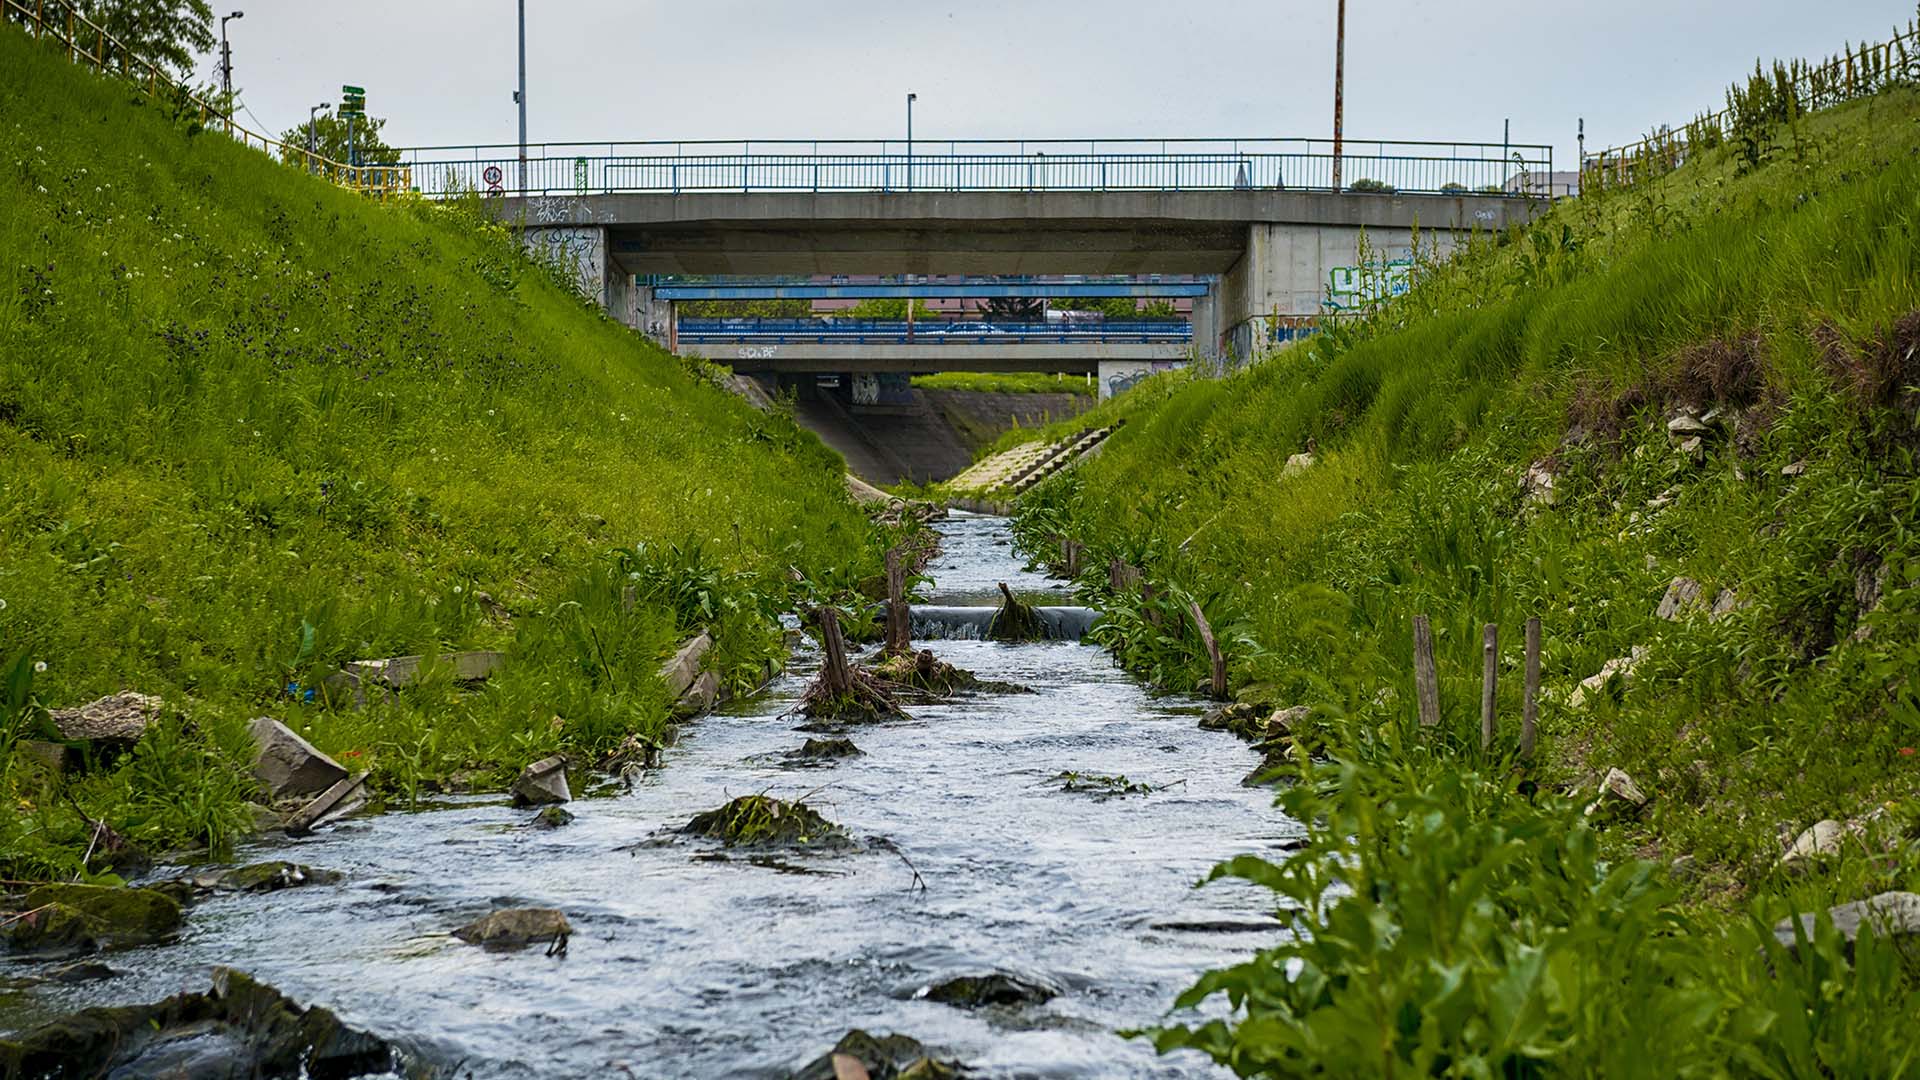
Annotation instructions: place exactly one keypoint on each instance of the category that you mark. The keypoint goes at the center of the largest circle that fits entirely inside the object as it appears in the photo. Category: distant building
(1558, 185)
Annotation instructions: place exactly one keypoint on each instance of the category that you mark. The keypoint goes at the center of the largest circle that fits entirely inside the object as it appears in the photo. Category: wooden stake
(1217, 686)
(1426, 681)
(1490, 673)
(899, 614)
(838, 677)
(1070, 553)
(1530, 707)
(1122, 576)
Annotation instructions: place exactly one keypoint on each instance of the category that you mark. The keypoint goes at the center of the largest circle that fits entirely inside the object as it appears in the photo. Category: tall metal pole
(1339, 88)
(910, 100)
(226, 60)
(313, 134)
(520, 96)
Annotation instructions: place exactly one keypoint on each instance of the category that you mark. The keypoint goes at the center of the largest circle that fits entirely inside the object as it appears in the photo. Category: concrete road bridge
(1260, 220)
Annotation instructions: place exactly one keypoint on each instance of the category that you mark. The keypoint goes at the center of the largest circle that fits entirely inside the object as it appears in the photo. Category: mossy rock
(827, 750)
(976, 991)
(266, 877)
(239, 1028)
(94, 916)
(885, 1057)
(923, 671)
(763, 821)
(552, 817)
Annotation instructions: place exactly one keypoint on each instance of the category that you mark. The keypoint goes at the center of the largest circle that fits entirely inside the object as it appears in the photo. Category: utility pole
(313, 135)
(226, 60)
(520, 97)
(1339, 88)
(910, 100)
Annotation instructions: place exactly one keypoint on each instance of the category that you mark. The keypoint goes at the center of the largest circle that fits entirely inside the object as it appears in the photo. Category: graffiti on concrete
(1352, 288)
(866, 389)
(559, 210)
(580, 254)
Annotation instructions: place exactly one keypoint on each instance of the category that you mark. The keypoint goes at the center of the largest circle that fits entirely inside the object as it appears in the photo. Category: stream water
(681, 966)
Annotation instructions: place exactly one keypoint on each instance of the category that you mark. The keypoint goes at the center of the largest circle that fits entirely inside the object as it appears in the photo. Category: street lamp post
(520, 97)
(313, 135)
(226, 59)
(911, 98)
(1339, 87)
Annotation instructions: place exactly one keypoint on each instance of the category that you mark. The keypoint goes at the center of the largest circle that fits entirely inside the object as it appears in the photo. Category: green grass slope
(253, 425)
(1488, 926)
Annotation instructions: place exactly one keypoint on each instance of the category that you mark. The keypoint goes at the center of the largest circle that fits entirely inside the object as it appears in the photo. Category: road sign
(491, 174)
(361, 90)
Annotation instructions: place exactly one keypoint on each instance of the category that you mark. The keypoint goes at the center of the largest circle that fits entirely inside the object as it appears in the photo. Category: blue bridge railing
(1510, 169)
(931, 332)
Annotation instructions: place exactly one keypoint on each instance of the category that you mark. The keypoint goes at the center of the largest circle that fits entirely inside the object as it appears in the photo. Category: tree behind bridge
(330, 138)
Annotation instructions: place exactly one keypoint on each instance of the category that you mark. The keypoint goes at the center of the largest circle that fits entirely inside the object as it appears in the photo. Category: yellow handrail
(42, 19)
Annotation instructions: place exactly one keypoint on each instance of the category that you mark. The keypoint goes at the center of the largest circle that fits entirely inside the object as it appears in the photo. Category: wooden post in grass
(1148, 594)
(1426, 681)
(899, 615)
(1217, 685)
(835, 673)
(1123, 576)
(1070, 554)
(1530, 707)
(1489, 674)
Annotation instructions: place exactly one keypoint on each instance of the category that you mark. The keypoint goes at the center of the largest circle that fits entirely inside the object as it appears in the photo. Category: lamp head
(913, 97)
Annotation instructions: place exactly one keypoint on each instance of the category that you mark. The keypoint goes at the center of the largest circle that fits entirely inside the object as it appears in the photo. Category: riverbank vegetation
(254, 426)
(1676, 421)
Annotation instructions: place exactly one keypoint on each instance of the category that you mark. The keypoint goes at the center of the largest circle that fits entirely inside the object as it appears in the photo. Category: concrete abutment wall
(1292, 274)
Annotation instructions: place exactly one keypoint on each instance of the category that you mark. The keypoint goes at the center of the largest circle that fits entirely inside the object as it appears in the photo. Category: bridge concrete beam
(828, 359)
(978, 232)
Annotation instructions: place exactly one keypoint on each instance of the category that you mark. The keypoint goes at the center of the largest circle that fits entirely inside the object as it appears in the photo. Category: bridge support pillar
(580, 251)
(655, 317)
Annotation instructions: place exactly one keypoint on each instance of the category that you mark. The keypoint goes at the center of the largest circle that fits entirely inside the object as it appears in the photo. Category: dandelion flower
(39, 665)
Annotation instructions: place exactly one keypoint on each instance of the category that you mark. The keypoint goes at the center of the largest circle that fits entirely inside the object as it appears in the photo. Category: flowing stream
(684, 966)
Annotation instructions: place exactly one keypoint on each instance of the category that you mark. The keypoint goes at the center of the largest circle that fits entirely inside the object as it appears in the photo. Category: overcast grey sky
(598, 70)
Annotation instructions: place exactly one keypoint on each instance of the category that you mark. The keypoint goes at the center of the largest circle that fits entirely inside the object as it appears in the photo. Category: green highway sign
(353, 89)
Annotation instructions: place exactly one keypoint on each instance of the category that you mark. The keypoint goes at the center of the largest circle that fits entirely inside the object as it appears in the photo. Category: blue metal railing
(1511, 169)
(931, 332)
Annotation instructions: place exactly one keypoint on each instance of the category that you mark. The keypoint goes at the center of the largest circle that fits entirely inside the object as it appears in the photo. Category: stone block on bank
(288, 765)
(543, 783)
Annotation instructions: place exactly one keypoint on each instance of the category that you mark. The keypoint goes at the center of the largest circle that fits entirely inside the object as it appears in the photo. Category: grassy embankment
(1490, 926)
(253, 426)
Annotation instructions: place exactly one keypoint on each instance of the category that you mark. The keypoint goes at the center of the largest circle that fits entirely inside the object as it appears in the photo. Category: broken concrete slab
(1620, 667)
(543, 783)
(336, 802)
(1619, 796)
(289, 765)
(399, 671)
(699, 697)
(1890, 915)
(683, 668)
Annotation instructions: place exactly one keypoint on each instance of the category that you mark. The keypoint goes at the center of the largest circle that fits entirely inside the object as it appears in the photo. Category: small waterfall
(937, 622)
